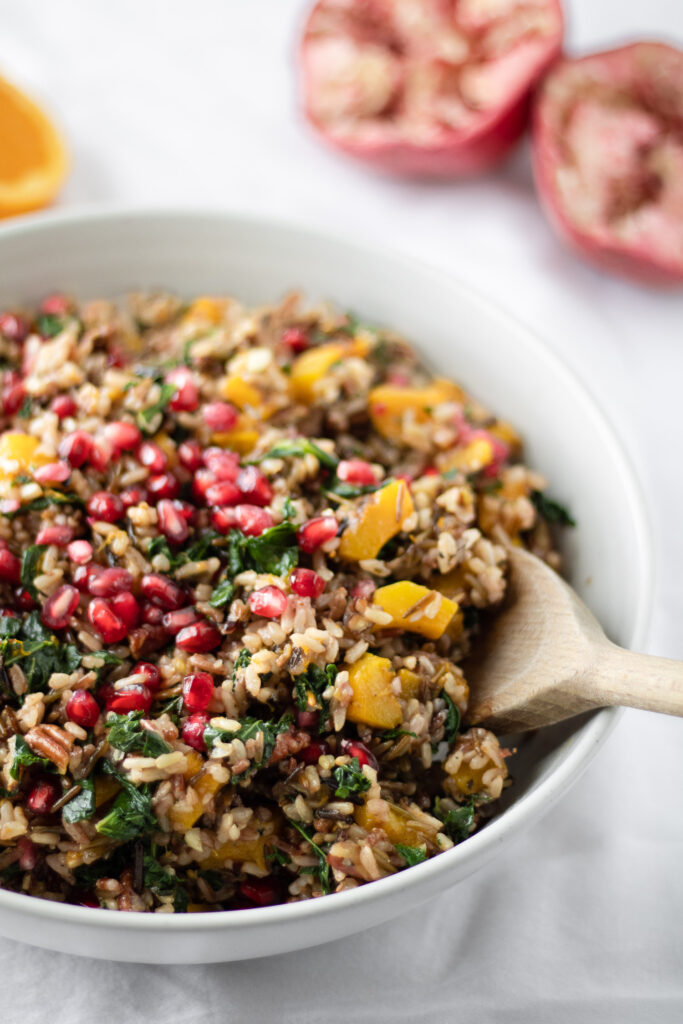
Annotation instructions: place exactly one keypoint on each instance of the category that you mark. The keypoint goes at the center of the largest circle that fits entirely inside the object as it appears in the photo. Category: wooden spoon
(546, 658)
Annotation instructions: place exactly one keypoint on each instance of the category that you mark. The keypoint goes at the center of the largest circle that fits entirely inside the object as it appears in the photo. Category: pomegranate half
(608, 158)
(426, 88)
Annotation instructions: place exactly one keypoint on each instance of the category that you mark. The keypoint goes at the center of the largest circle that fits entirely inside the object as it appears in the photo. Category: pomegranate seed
(172, 522)
(3, 544)
(105, 507)
(14, 327)
(25, 601)
(363, 590)
(116, 357)
(82, 575)
(104, 619)
(8, 506)
(252, 520)
(152, 456)
(13, 393)
(76, 448)
(295, 339)
(190, 455)
(83, 709)
(163, 485)
(59, 607)
(101, 454)
(83, 899)
(308, 719)
(53, 473)
(186, 398)
(223, 493)
(254, 486)
(173, 622)
(152, 614)
(220, 416)
(198, 638)
(197, 691)
(55, 305)
(124, 436)
(203, 479)
(314, 750)
(10, 567)
(186, 510)
(151, 674)
(224, 465)
(430, 471)
(262, 891)
(109, 582)
(79, 551)
(224, 519)
(132, 698)
(193, 730)
(126, 608)
(163, 592)
(268, 602)
(306, 583)
(133, 496)
(64, 406)
(354, 748)
(59, 535)
(356, 471)
(316, 532)
(43, 795)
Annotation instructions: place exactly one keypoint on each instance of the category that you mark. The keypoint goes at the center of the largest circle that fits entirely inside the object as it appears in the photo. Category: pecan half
(52, 742)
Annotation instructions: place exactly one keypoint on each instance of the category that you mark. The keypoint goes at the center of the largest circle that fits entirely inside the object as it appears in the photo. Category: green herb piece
(471, 617)
(223, 594)
(241, 661)
(147, 417)
(49, 325)
(26, 410)
(10, 625)
(412, 854)
(349, 780)
(125, 733)
(82, 805)
(551, 510)
(298, 447)
(250, 729)
(314, 681)
(393, 734)
(452, 723)
(277, 856)
(160, 546)
(30, 564)
(24, 757)
(173, 708)
(163, 883)
(322, 869)
(214, 879)
(274, 551)
(345, 490)
(196, 552)
(390, 549)
(288, 509)
(457, 823)
(38, 650)
(131, 815)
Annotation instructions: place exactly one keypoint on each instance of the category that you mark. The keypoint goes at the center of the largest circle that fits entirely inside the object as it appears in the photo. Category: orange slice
(32, 157)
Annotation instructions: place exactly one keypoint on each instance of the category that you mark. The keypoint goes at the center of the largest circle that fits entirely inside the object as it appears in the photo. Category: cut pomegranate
(83, 709)
(252, 520)
(268, 602)
(105, 507)
(254, 486)
(190, 455)
(104, 619)
(101, 454)
(264, 892)
(296, 339)
(126, 608)
(220, 416)
(173, 622)
(25, 600)
(306, 583)
(58, 535)
(42, 796)
(152, 456)
(133, 496)
(10, 567)
(80, 551)
(424, 87)
(163, 485)
(222, 493)
(354, 748)
(224, 465)
(186, 398)
(151, 674)
(356, 471)
(64, 406)
(82, 575)
(198, 638)
(224, 519)
(197, 691)
(203, 479)
(59, 607)
(608, 158)
(163, 592)
(124, 436)
(314, 751)
(14, 327)
(53, 473)
(152, 615)
(108, 582)
(193, 730)
(13, 393)
(172, 521)
(132, 698)
(316, 532)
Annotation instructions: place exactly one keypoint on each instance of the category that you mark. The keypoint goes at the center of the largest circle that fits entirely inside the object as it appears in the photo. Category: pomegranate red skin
(193, 730)
(83, 709)
(630, 261)
(460, 154)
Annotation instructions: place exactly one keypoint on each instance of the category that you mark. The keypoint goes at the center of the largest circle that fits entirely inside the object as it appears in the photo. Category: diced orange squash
(184, 814)
(379, 519)
(399, 825)
(470, 780)
(241, 438)
(315, 363)
(389, 403)
(18, 455)
(106, 787)
(416, 608)
(410, 683)
(373, 702)
(477, 454)
(205, 310)
(239, 850)
(238, 391)
(168, 447)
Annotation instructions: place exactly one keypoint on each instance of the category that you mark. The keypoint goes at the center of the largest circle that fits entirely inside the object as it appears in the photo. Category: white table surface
(581, 921)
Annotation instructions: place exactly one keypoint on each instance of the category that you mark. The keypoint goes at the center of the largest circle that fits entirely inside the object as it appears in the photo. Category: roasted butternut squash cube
(241, 438)
(389, 403)
(416, 608)
(379, 519)
(186, 812)
(374, 702)
(205, 310)
(315, 363)
(410, 683)
(475, 455)
(400, 826)
(18, 454)
(240, 850)
(237, 390)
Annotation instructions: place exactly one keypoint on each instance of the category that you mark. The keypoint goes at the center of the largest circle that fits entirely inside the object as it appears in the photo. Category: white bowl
(460, 334)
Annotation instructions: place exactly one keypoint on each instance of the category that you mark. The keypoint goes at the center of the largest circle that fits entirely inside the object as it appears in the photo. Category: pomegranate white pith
(608, 158)
(426, 87)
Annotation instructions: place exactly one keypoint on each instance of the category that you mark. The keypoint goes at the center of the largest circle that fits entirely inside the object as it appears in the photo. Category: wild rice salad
(242, 553)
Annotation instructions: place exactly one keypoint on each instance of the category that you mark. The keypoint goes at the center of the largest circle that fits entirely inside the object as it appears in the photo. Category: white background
(582, 920)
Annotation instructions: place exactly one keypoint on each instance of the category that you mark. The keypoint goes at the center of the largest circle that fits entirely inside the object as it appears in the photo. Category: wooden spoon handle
(634, 680)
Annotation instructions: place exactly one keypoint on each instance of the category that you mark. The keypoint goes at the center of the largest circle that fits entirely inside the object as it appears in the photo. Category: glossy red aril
(254, 486)
(10, 567)
(81, 576)
(104, 619)
(608, 158)
(222, 493)
(58, 535)
(124, 436)
(426, 88)
(83, 709)
(198, 638)
(172, 521)
(190, 455)
(43, 795)
(25, 601)
(130, 698)
(53, 473)
(268, 602)
(223, 519)
(316, 532)
(55, 305)
(306, 583)
(308, 719)
(76, 448)
(134, 495)
(314, 751)
(186, 398)
(197, 691)
(173, 622)
(252, 520)
(202, 480)
(192, 732)
(224, 465)
(108, 582)
(220, 416)
(14, 327)
(63, 406)
(356, 471)
(162, 485)
(13, 393)
(151, 676)
(152, 614)
(296, 339)
(126, 608)
(101, 455)
(79, 551)
(264, 892)
(162, 591)
(152, 456)
(354, 748)
(105, 507)
(59, 607)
